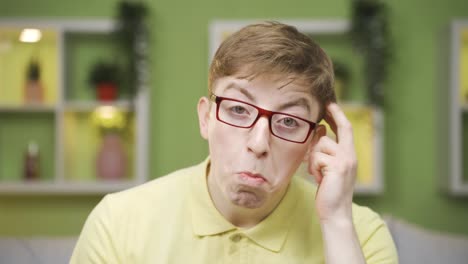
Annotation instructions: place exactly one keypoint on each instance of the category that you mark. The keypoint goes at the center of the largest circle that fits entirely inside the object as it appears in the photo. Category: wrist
(341, 242)
(338, 229)
(341, 215)
(337, 222)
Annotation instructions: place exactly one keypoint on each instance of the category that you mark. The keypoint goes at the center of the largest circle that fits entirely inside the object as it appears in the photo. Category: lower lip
(251, 179)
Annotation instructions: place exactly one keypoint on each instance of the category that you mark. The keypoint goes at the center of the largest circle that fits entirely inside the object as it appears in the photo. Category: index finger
(340, 125)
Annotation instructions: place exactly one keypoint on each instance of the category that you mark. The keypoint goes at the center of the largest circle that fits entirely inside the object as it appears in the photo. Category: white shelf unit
(27, 109)
(322, 27)
(59, 183)
(70, 188)
(86, 106)
(457, 183)
(464, 107)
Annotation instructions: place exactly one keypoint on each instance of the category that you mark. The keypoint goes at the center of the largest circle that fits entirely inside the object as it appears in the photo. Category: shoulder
(374, 236)
(122, 221)
(375, 239)
(174, 187)
(177, 180)
(365, 218)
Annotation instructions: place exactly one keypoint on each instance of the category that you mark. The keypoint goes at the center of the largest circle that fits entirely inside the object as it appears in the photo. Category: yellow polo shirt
(173, 220)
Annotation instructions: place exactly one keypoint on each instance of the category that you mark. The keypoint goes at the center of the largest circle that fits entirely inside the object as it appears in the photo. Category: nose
(259, 138)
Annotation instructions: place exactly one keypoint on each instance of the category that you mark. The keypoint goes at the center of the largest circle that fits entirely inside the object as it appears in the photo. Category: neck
(242, 216)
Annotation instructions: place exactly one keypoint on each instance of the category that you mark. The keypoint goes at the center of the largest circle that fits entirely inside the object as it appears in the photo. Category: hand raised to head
(334, 166)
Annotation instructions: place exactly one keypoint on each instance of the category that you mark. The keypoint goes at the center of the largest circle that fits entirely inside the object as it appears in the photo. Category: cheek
(290, 157)
(219, 135)
(224, 141)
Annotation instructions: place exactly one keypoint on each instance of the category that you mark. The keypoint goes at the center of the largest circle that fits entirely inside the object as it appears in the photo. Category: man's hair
(275, 48)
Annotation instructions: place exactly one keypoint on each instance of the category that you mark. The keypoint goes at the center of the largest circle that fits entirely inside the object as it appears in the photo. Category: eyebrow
(242, 90)
(298, 102)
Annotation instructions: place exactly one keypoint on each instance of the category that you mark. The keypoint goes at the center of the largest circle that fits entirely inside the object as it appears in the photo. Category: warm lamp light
(109, 117)
(30, 35)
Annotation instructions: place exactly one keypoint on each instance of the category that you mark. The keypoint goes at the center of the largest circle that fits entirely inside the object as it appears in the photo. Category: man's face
(250, 166)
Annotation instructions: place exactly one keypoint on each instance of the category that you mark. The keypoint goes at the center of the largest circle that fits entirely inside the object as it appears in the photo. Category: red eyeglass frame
(261, 112)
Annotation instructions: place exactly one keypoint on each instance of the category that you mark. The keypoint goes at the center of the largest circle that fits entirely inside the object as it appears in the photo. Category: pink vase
(111, 161)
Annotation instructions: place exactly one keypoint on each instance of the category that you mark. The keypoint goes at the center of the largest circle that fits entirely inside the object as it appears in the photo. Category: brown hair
(275, 48)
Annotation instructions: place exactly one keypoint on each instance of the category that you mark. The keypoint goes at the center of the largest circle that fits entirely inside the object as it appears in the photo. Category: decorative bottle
(31, 162)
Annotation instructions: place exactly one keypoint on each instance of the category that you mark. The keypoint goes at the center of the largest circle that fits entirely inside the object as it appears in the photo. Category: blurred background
(60, 130)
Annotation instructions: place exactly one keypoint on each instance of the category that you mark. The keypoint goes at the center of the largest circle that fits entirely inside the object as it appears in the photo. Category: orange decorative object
(106, 91)
(33, 90)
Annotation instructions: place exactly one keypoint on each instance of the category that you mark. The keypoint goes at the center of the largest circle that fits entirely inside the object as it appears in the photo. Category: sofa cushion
(418, 245)
(36, 250)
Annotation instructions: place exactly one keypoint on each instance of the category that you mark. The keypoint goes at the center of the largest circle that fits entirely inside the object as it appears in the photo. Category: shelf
(88, 106)
(81, 52)
(464, 107)
(320, 26)
(67, 123)
(65, 188)
(17, 130)
(16, 59)
(78, 25)
(454, 136)
(79, 160)
(26, 109)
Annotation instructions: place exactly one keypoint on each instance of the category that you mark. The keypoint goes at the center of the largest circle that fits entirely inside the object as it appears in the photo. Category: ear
(203, 109)
(319, 132)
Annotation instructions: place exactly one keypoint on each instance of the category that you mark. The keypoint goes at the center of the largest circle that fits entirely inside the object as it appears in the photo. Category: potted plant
(132, 36)
(342, 80)
(371, 36)
(33, 90)
(104, 76)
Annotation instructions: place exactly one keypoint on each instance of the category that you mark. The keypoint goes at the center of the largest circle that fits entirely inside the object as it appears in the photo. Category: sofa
(418, 245)
(37, 250)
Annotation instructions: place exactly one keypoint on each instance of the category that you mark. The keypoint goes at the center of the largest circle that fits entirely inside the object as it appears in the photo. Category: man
(269, 86)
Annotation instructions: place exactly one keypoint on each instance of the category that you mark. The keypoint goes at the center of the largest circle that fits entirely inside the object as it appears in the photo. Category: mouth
(254, 178)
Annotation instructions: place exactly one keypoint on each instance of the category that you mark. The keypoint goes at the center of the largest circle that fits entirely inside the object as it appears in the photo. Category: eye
(238, 109)
(289, 122)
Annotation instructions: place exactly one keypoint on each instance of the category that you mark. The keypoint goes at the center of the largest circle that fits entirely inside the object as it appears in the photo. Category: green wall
(179, 69)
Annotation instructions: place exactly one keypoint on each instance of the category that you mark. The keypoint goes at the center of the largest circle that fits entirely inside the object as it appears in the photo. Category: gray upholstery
(36, 250)
(418, 245)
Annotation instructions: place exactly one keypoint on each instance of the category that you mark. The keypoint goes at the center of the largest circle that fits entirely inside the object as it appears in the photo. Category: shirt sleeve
(96, 244)
(375, 238)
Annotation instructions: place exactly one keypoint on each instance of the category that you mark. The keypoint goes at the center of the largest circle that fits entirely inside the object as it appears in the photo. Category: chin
(247, 199)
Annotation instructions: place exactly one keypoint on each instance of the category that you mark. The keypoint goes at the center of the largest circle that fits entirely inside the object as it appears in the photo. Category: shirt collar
(271, 233)
(206, 219)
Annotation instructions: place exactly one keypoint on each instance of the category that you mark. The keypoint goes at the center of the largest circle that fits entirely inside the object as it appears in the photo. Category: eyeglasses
(244, 115)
